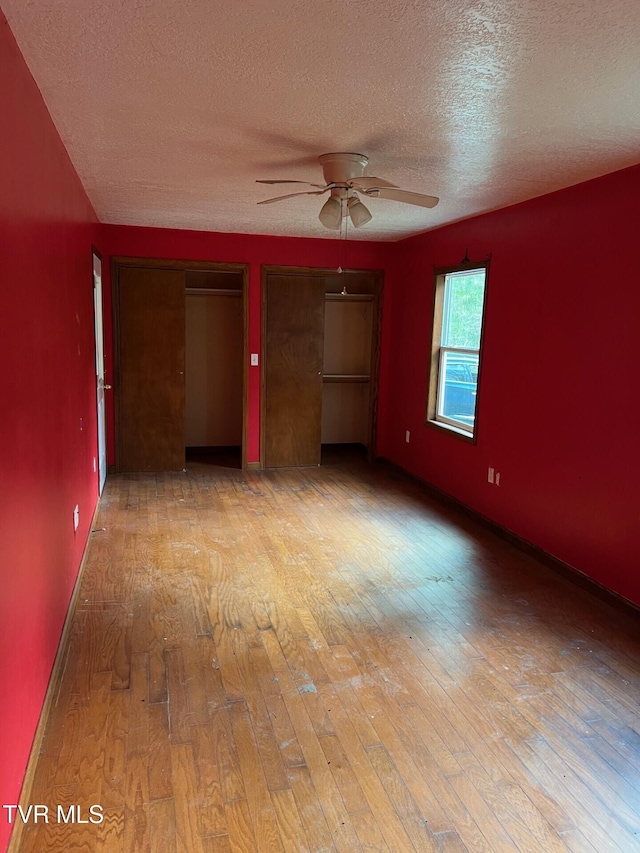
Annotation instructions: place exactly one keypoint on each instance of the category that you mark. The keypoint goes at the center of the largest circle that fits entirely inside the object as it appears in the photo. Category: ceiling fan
(344, 179)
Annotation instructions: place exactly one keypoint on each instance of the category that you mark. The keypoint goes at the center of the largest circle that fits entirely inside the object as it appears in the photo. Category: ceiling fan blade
(291, 195)
(308, 183)
(402, 195)
(366, 182)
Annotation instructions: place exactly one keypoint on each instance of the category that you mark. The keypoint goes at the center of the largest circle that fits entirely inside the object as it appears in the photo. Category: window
(455, 351)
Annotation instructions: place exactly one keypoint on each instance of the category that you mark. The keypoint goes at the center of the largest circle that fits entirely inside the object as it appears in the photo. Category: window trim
(433, 376)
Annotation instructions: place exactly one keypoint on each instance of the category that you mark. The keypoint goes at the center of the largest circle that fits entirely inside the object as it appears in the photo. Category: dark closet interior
(214, 339)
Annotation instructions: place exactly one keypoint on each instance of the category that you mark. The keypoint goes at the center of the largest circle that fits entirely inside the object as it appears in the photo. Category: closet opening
(214, 347)
(347, 370)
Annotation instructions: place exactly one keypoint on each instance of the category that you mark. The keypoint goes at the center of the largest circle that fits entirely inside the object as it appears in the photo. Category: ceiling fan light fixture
(331, 213)
(358, 212)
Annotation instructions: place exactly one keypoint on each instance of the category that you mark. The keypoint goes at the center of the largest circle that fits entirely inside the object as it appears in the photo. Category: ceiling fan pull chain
(345, 219)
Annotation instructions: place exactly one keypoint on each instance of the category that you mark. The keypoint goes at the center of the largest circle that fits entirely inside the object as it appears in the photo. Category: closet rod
(349, 297)
(212, 291)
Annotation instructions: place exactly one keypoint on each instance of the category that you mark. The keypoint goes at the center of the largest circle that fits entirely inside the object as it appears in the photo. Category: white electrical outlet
(498, 479)
(254, 359)
(407, 436)
(94, 464)
(76, 517)
(491, 475)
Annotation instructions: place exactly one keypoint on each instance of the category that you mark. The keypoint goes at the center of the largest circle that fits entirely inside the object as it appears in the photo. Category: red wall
(47, 385)
(558, 404)
(249, 249)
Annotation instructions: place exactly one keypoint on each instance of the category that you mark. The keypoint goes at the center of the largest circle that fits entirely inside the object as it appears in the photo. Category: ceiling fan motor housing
(342, 167)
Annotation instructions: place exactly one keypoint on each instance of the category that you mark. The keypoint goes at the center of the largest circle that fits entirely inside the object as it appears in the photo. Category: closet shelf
(345, 377)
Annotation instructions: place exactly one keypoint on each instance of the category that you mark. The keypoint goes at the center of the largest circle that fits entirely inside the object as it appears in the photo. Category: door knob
(108, 387)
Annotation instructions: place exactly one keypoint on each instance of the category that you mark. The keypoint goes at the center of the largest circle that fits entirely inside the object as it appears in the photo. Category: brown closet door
(151, 315)
(294, 342)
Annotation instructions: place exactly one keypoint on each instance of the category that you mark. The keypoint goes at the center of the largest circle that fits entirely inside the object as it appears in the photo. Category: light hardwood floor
(328, 660)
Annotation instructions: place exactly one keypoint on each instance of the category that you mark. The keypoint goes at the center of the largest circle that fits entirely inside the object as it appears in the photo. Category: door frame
(119, 262)
(98, 326)
(378, 286)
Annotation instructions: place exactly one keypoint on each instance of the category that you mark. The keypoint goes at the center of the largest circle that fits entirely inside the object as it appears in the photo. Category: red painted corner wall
(251, 249)
(558, 399)
(47, 387)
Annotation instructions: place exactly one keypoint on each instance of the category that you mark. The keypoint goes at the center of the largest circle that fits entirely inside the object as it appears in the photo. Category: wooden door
(151, 324)
(293, 352)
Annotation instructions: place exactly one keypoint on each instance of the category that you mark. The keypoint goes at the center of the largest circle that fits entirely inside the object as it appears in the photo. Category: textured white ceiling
(170, 109)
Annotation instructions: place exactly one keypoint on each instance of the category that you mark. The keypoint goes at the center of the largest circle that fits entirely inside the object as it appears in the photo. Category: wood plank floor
(328, 660)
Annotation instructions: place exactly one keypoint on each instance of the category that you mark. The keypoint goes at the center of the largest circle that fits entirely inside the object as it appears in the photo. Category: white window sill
(446, 427)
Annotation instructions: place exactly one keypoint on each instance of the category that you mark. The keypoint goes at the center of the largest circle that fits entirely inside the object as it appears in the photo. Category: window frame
(441, 422)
